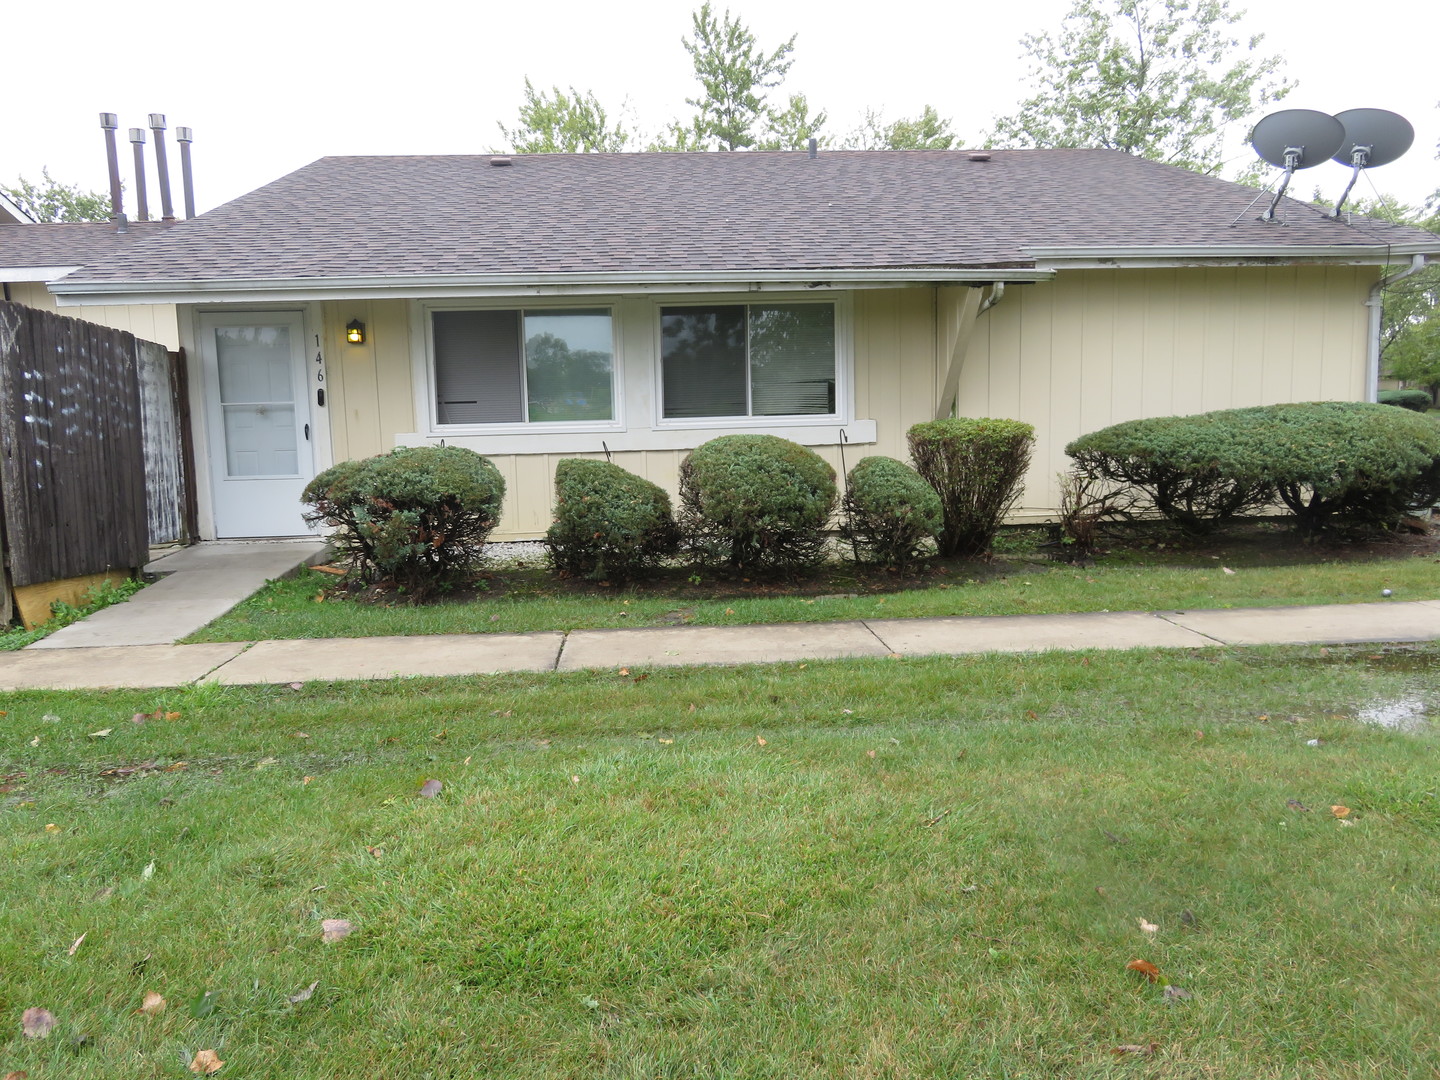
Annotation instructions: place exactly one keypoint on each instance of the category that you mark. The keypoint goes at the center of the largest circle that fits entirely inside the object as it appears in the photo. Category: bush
(1181, 464)
(609, 523)
(977, 467)
(757, 501)
(1414, 400)
(1087, 504)
(890, 512)
(418, 516)
(1325, 460)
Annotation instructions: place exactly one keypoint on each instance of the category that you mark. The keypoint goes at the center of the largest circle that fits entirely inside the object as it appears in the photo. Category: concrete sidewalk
(242, 663)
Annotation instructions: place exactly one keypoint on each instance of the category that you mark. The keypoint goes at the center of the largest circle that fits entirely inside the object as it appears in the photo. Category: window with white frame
(523, 366)
(748, 360)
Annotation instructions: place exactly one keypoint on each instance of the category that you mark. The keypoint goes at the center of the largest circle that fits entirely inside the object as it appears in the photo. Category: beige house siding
(1090, 348)
(152, 322)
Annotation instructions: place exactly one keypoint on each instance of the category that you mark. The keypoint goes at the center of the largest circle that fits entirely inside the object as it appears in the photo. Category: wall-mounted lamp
(355, 332)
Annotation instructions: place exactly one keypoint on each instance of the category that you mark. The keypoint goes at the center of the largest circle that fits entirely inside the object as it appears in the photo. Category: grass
(63, 614)
(1144, 580)
(928, 868)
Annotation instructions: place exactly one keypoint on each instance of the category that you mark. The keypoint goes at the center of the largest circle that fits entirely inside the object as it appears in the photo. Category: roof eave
(35, 273)
(232, 290)
(1141, 256)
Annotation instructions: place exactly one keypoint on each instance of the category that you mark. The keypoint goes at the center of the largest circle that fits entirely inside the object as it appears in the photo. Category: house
(543, 306)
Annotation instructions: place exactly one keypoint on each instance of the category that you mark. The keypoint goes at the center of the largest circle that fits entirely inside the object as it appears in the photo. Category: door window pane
(260, 440)
(257, 400)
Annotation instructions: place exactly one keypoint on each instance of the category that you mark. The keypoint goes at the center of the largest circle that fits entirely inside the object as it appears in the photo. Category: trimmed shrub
(756, 501)
(1087, 505)
(418, 516)
(1181, 464)
(890, 512)
(977, 467)
(1326, 460)
(609, 523)
(1415, 400)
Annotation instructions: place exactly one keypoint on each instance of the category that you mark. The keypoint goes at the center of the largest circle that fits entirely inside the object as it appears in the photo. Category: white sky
(270, 86)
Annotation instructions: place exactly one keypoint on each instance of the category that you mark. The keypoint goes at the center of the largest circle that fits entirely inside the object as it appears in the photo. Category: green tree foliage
(928, 131)
(557, 122)
(1162, 79)
(734, 112)
(51, 200)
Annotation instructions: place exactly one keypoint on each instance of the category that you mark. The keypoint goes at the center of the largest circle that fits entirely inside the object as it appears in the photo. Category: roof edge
(230, 290)
(35, 273)
(1080, 256)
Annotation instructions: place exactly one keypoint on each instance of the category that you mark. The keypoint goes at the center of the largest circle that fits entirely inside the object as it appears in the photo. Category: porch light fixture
(355, 332)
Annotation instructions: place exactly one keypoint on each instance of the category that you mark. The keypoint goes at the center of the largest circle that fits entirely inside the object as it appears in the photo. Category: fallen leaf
(1187, 917)
(430, 789)
(1144, 967)
(729, 611)
(303, 995)
(692, 707)
(335, 929)
(297, 686)
(575, 779)
(969, 888)
(1347, 821)
(172, 716)
(1227, 570)
(1177, 993)
(305, 780)
(140, 718)
(52, 828)
(624, 671)
(35, 741)
(36, 1023)
(266, 762)
(299, 735)
(760, 740)
(1149, 927)
(149, 871)
(206, 1062)
(375, 852)
(103, 733)
(16, 1075)
(870, 753)
(1296, 804)
(642, 676)
(153, 1005)
(76, 945)
(467, 760)
(1340, 811)
(665, 742)
(177, 766)
(1145, 1050)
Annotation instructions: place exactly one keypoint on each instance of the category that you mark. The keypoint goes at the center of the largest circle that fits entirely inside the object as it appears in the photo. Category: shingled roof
(69, 243)
(413, 218)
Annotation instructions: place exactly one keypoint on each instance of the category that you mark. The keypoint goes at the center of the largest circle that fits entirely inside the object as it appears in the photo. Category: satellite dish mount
(1295, 139)
(1372, 137)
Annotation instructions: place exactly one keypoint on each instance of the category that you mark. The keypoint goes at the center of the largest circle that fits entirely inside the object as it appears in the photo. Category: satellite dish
(1372, 137)
(1295, 139)
(1382, 136)
(1308, 136)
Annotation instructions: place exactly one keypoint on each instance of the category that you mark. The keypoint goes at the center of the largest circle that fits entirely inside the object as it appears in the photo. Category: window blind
(479, 374)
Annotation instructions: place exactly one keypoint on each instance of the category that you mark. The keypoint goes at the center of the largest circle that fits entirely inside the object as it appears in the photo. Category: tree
(733, 112)
(52, 201)
(1410, 312)
(561, 123)
(1155, 78)
(928, 131)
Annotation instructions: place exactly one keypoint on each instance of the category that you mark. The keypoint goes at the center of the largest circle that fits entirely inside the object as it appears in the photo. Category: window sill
(825, 433)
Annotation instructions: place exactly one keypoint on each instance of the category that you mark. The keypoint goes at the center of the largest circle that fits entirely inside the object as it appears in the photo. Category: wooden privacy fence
(90, 417)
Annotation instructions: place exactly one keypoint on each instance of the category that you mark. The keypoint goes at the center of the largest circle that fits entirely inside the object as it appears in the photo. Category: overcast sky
(270, 86)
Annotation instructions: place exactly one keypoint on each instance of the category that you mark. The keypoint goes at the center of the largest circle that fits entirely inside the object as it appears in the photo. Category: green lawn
(533, 601)
(929, 868)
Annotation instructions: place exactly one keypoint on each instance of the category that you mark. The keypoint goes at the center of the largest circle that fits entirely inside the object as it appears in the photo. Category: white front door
(257, 405)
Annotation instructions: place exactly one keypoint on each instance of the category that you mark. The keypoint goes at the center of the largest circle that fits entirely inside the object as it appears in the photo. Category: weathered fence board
(164, 457)
(72, 463)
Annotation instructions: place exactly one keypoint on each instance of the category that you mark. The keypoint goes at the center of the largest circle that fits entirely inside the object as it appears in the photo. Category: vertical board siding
(72, 461)
(1095, 347)
(1088, 349)
(153, 322)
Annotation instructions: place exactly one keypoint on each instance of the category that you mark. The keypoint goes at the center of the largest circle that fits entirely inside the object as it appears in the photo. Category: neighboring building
(544, 306)
(31, 255)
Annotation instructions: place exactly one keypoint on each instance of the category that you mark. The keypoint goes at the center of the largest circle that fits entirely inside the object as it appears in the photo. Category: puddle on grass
(1398, 714)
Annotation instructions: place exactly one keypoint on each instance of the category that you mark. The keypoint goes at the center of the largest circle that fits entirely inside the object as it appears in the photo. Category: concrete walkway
(241, 663)
(199, 585)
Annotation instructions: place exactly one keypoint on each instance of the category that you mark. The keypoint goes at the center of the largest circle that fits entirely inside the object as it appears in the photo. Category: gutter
(1098, 257)
(1376, 304)
(218, 290)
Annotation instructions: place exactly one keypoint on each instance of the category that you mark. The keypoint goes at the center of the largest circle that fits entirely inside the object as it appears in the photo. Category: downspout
(1376, 305)
(997, 293)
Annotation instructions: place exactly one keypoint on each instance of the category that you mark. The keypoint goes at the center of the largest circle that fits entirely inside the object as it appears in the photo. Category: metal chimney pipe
(109, 122)
(142, 207)
(814, 146)
(157, 125)
(184, 136)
